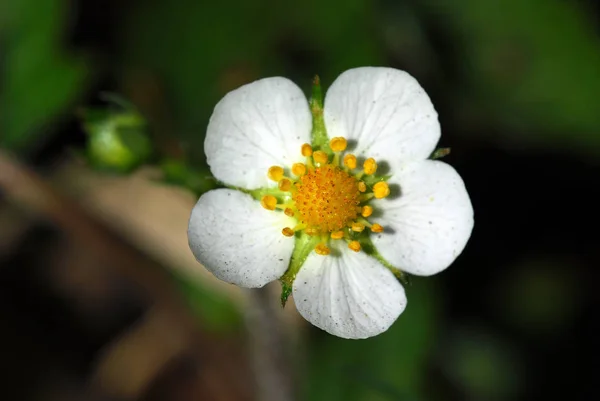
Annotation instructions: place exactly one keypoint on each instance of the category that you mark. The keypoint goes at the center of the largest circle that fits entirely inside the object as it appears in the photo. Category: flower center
(327, 198)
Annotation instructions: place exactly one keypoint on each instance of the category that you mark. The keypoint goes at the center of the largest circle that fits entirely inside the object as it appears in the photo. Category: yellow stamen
(337, 235)
(298, 169)
(285, 184)
(350, 161)
(362, 187)
(369, 166)
(312, 231)
(354, 245)
(288, 232)
(357, 227)
(320, 157)
(338, 144)
(269, 202)
(275, 173)
(322, 249)
(289, 212)
(366, 211)
(307, 150)
(377, 228)
(381, 190)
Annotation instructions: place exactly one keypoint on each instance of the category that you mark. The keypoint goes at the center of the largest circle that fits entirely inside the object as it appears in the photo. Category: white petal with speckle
(238, 240)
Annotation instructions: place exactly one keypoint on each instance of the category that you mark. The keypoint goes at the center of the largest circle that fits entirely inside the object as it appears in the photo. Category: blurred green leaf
(533, 66)
(390, 366)
(39, 79)
(179, 173)
(216, 311)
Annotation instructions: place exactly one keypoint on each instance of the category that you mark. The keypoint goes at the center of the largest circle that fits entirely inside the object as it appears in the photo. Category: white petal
(238, 240)
(428, 223)
(347, 293)
(384, 113)
(255, 127)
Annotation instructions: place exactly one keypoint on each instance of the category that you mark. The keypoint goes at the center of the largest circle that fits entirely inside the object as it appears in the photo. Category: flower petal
(254, 127)
(429, 223)
(347, 293)
(237, 240)
(384, 112)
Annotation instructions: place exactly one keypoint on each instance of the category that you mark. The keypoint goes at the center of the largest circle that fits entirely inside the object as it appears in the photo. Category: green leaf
(39, 79)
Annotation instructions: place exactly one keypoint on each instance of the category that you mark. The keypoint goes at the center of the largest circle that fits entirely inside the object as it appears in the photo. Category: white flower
(312, 211)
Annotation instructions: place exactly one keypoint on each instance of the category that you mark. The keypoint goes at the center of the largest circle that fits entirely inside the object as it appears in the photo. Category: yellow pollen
(377, 228)
(350, 161)
(320, 157)
(327, 198)
(298, 169)
(358, 227)
(307, 150)
(381, 190)
(275, 173)
(289, 212)
(354, 245)
(369, 166)
(337, 235)
(288, 232)
(269, 202)
(366, 211)
(362, 187)
(338, 144)
(322, 249)
(285, 184)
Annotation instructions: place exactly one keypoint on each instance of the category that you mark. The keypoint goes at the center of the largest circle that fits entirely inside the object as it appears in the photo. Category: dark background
(92, 309)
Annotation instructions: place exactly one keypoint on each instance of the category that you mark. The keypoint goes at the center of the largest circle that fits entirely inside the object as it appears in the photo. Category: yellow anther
(288, 232)
(354, 245)
(350, 161)
(322, 249)
(307, 150)
(275, 173)
(269, 202)
(381, 190)
(377, 228)
(369, 166)
(362, 187)
(298, 169)
(337, 235)
(366, 211)
(288, 212)
(338, 144)
(312, 231)
(358, 227)
(285, 184)
(320, 157)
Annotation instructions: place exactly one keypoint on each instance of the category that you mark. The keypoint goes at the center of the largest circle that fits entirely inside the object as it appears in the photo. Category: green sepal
(371, 180)
(439, 153)
(370, 249)
(319, 138)
(303, 247)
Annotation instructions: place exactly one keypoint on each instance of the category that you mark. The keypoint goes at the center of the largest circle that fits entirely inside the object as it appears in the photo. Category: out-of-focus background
(103, 109)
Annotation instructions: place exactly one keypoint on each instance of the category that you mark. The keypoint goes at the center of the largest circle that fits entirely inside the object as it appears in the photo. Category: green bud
(117, 141)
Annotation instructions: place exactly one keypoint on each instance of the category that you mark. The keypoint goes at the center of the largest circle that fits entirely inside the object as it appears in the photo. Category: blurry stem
(268, 347)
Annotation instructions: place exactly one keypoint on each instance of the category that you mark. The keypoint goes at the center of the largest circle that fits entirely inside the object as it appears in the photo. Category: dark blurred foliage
(515, 83)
